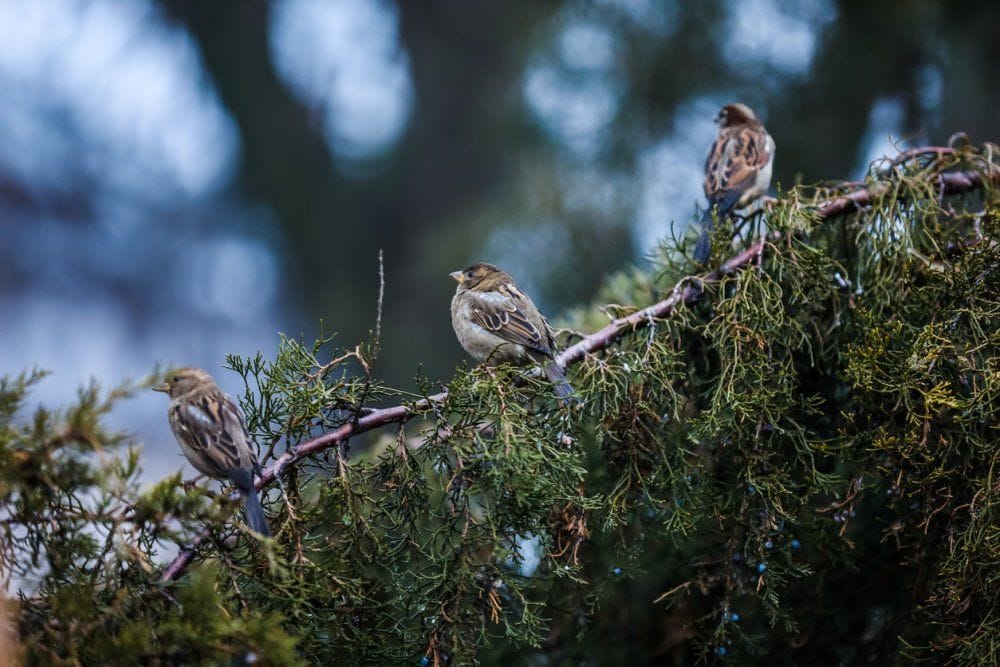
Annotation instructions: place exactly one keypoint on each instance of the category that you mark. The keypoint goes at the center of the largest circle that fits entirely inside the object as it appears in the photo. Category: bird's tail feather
(557, 377)
(254, 512)
(704, 246)
(719, 208)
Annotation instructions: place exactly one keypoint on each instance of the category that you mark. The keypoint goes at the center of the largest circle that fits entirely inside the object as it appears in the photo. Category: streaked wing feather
(214, 428)
(735, 160)
(234, 414)
(503, 315)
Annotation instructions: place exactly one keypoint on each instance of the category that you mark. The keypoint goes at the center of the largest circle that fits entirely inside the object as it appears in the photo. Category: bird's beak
(457, 275)
(165, 388)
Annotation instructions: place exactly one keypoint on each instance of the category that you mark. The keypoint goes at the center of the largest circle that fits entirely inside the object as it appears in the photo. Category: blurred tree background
(184, 179)
(799, 465)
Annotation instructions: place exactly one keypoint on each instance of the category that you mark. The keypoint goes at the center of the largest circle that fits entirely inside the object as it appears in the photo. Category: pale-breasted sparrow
(213, 435)
(738, 168)
(496, 322)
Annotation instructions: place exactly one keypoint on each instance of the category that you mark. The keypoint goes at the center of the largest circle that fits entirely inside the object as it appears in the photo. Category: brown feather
(211, 426)
(740, 152)
(508, 320)
(496, 323)
(213, 436)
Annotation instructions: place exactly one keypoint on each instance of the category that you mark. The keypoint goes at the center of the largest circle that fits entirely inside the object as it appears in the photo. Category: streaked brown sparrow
(737, 171)
(496, 323)
(213, 435)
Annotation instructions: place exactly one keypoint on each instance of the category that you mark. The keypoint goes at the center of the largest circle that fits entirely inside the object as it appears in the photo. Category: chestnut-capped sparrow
(213, 435)
(496, 323)
(737, 171)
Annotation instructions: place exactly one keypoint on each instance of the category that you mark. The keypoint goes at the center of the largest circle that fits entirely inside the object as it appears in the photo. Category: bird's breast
(479, 343)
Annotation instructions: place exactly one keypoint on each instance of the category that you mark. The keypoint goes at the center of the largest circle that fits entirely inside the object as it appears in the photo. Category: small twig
(378, 312)
(322, 370)
(673, 590)
(921, 151)
(376, 345)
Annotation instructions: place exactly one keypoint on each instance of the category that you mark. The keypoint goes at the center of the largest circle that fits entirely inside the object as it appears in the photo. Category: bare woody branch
(687, 291)
(950, 183)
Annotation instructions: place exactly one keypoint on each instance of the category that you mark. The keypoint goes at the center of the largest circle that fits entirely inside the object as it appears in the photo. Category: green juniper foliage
(800, 464)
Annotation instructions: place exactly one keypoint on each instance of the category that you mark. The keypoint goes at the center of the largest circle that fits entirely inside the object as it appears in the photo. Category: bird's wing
(508, 313)
(213, 427)
(738, 155)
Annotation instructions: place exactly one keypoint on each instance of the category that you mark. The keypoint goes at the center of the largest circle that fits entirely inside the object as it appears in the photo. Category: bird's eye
(176, 378)
(468, 274)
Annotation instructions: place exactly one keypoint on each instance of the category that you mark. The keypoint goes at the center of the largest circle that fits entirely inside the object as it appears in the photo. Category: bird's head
(734, 114)
(481, 277)
(185, 380)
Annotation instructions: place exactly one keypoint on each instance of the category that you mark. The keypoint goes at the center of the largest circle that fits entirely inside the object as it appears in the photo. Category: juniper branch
(954, 182)
(688, 290)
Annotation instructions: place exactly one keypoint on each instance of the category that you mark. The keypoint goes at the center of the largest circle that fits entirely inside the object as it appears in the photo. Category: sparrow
(496, 322)
(213, 435)
(737, 171)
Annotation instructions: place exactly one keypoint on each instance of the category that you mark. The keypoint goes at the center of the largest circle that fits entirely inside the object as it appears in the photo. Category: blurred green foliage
(797, 468)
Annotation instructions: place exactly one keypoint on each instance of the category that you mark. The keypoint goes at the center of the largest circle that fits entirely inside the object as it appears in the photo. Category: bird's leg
(760, 205)
(740, 222)
(767, 205)
(190, 484)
